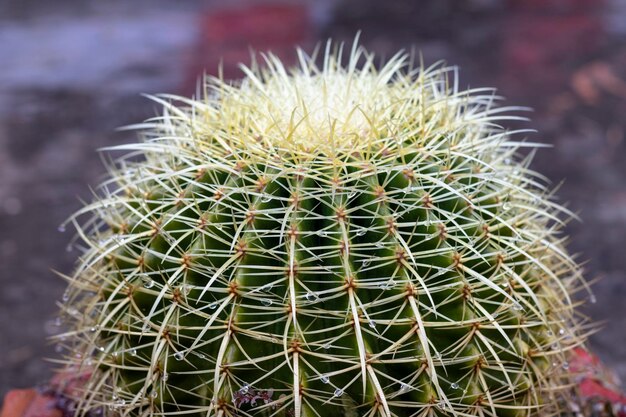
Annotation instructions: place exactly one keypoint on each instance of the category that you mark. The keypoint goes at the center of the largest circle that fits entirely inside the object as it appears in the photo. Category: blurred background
(72, 71)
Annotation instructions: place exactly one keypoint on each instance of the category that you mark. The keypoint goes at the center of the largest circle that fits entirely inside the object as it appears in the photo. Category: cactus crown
(334, 240)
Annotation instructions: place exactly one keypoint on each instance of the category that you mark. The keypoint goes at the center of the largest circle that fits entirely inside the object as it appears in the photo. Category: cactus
(337, 240)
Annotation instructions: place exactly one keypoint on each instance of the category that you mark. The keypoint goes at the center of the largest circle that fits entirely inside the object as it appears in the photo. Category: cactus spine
(335, 240)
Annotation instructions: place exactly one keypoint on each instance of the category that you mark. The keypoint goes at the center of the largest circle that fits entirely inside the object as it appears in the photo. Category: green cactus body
(336, 241)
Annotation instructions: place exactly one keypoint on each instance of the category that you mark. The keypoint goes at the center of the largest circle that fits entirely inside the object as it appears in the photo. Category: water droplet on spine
(454, 385)
(179, 356)
(213, 306)
(361, 232)
(266, 198)
(165, 377)
(366, 262)
(324, 379)
(66, 296)
(404, 387)
(565, 365)
(61, 228)
(372, 324)
(517, 306)
(147, 282)
(244, 389)
(561, 332)
(506, 206)
(322, 233)
(338, 392)
(266, 302)
(154, 394)
(593, 299)
(311, 296)
(133, 352)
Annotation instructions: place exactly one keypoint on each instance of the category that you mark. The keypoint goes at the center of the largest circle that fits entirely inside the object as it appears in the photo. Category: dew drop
(66, 296)
(219, 226)
(154, 394)
(404, 387)
(454, 385)
(372, 324)
(366, 262)
(266, 302)
(561, 332)
(133, 352)
(565, 365)
(213, 306)
(58, 348)
(441, 405)
(94, 329)
(266, 198)
(145, 327)
(244, 389)
(324, 379)
(592, 299)
(352, 194)
(326, 346)
(379, 245)
(311, 296)
(361, 232)
(147, 282)
(165, 377)
(61, 228)
(267, 287)
(338, 392)
(179, 356)
(58, 321)
(506, 206)
(507, 161)
(517, 306)
(549, 333)
(322, 233)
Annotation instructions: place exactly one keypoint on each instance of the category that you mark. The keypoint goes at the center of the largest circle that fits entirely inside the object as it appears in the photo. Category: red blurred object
(228, 36)
(597, 381)
(542, 43)
(29, 403)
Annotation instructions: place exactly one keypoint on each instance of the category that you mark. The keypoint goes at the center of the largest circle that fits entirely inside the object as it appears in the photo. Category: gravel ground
(70, 76)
